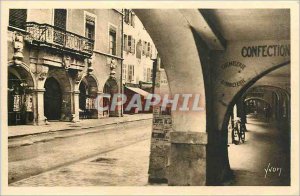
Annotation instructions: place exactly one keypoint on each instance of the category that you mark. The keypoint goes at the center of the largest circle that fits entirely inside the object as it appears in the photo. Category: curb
(76, 128)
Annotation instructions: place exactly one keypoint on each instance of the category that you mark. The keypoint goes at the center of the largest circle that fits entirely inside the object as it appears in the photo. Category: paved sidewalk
(24, 130)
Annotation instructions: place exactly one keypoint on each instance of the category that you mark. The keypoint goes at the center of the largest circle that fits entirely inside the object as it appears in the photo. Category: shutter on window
(60, 18)
(133, 20)
(17, 18)
(125, 42)
(129, 43)
(132, 46)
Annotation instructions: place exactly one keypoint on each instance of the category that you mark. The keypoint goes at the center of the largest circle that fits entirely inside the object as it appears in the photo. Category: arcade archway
(227, 76)
(20, 95)
(88, 89)
(52, 99)
(111, 88)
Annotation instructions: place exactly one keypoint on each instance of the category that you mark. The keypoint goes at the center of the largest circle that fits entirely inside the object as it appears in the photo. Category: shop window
(112, 42)
(90, 27)
(17, 18)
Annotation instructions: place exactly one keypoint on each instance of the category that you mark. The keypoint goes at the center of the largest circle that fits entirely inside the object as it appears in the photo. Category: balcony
(54, 37)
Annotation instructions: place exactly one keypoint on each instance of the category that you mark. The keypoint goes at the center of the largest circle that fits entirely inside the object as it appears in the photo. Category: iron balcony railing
(55, 36)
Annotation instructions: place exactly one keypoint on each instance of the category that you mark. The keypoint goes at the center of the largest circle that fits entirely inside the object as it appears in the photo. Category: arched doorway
(20, 96)
(111, 88)
(52, 99)
(88, 89)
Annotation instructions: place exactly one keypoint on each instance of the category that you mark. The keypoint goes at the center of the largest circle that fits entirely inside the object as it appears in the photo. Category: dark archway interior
(111, 88)
(52, 99)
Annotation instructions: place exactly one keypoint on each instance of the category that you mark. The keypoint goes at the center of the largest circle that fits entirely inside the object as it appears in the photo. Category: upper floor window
(112, 41)
(129, 44)
(149, 75)
(130, 73)
(129, 17)
(90, 27)
(17, 18)
(60, 18)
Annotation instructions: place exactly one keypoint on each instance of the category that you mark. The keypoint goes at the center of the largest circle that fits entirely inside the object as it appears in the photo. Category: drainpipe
(121, 83)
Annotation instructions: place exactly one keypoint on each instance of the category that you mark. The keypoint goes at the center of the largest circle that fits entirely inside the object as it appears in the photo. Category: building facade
(139, 52)
(60, 61)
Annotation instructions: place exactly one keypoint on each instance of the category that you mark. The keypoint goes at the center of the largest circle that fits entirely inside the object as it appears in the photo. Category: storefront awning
(138, 91)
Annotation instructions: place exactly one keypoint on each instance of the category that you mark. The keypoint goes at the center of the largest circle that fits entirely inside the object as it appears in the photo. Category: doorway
(52, 99)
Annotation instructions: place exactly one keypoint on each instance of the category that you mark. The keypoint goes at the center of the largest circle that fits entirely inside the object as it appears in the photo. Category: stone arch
(250, 83)
(282, 96)
(179, 54)
(111, 87)
(88, 92)
(67, 88)
(22, 71)
(257, 98)
(224, 164)
(21, 98)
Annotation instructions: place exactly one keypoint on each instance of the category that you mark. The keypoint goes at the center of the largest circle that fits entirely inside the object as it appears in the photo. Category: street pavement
(42, 156)
(127, 166)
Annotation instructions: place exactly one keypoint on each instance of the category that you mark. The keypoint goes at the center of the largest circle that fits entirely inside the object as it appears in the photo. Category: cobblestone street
(127, 166)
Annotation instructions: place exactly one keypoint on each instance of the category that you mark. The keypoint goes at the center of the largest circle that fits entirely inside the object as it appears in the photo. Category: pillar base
(187, 159)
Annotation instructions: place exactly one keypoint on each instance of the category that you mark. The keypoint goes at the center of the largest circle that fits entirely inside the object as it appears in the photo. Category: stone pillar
(188, 152)
(40, 119)
(99, 103)
(76, 106)
(67, 106)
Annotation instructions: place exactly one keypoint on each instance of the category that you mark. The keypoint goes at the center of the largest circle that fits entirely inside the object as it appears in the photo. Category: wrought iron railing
(48, 34)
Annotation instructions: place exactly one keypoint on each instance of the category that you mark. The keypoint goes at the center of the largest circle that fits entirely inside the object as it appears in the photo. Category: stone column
(187, 161)
(67, 106)
(188, 152)
(40, 120)
(99, 103)
(76, 106)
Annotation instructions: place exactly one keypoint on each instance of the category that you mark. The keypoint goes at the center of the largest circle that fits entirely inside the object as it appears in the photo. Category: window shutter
(132, 45)
(133, 20)
(17, 18)
(129, 43)
(125, 42)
